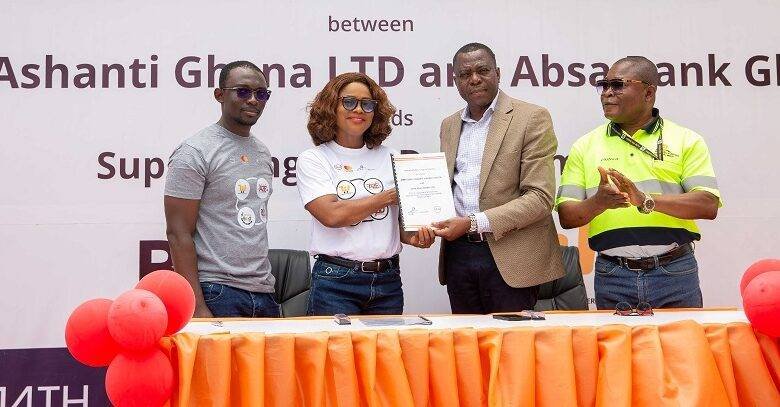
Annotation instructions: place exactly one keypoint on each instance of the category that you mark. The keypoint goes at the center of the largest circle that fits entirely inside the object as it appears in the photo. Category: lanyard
(659, 145)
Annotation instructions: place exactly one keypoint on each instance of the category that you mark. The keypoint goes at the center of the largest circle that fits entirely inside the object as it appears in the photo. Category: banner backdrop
(95, 95)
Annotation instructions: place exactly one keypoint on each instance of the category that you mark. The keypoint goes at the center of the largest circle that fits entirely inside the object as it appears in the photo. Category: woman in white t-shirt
(346, 183)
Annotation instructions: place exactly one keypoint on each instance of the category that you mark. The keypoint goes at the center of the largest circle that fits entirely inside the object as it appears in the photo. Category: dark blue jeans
(342, 290)
(674, 285)
(226, 301)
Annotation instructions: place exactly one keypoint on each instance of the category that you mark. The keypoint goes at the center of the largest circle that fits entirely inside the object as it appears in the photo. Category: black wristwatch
(647, 205)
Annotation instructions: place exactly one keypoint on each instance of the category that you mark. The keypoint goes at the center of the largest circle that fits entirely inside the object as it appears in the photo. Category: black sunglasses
(261, 94)
(625, 309)
(351, 102)
(617, 85)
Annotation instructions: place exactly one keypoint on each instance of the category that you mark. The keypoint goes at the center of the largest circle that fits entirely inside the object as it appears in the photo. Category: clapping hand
(627, 187)
(609, 196)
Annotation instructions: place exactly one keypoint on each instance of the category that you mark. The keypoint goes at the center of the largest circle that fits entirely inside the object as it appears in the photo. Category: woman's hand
(423, 238)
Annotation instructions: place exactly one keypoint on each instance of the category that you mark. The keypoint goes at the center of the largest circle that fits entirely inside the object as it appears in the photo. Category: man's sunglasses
(261, 94)
(617, 85)
(625, 309)
(351, 102)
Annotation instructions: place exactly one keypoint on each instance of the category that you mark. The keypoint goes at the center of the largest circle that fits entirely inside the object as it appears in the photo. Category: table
(685, 358)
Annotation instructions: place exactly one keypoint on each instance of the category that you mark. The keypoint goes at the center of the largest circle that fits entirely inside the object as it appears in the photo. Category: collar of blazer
(499, 124)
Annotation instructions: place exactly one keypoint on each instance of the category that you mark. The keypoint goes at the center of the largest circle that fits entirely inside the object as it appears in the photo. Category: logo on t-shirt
(242, 189)
(347, 189)
(668, 152)
(380, 214)
(345, 167)
(244, 158)
(246, 217)
(373, 186)
(263, 189)
(263, 215)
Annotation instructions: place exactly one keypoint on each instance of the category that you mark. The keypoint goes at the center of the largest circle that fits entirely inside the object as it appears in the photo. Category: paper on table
(396, 321)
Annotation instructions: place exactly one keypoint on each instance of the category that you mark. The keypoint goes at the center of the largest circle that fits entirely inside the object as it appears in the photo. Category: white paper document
(424, 189)
(396, 321)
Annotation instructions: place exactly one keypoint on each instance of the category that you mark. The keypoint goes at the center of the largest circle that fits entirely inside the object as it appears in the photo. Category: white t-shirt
(350, 173)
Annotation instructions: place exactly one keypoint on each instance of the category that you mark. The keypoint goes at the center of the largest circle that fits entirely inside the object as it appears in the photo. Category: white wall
(67, 236)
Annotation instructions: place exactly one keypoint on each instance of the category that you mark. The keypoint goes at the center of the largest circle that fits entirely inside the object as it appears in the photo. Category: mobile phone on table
(512, 317)
(342, 319)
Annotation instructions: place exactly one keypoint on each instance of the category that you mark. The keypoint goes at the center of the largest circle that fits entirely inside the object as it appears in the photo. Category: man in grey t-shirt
(216, 204)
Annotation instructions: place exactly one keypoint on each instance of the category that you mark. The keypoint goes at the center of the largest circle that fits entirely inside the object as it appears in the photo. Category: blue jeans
(226, 301)
(343, 290)
(674, 285)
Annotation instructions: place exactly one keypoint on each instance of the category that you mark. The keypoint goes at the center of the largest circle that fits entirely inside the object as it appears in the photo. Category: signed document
(424, 189)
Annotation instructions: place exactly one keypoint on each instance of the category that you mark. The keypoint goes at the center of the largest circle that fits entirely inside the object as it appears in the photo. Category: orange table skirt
(677, 364)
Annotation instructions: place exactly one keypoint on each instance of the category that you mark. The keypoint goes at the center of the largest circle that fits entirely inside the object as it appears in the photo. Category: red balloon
(175, 292)
(137, 320)
(143, 379)
(761, 266)
(87, 336)
(761, 301)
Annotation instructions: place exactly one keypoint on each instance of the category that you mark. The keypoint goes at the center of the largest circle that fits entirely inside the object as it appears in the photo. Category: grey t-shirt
(231, 176)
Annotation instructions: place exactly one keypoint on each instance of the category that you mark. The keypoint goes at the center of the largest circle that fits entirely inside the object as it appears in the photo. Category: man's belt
(375, 266)
(648, 263)
(474, 237)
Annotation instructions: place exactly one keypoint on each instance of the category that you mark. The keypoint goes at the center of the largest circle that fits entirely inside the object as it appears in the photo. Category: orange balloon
(175, 292)
(140, 379)
(761, 301)
(137, 320)
(761, 266)
(87, 336)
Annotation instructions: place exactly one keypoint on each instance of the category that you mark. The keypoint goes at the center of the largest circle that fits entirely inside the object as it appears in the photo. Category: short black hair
(223, 74)
(644, 69)
(474, 46)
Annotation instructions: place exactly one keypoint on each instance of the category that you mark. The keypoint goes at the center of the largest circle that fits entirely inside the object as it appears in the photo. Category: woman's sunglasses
(617, 85)
(351, 102)
(261, 94)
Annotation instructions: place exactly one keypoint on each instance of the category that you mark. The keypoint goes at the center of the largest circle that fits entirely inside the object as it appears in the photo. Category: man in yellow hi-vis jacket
(639, 181)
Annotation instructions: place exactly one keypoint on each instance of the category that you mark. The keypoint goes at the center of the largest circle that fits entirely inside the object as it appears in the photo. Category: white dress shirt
(468, 163)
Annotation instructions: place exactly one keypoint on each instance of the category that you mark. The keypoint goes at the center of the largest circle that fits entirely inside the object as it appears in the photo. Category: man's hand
(202, 311)
(452, 228)
(423, 238)
(609, 196)
(625, 185)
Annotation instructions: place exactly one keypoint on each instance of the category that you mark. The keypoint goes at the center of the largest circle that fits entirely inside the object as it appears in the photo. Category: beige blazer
(516, 190)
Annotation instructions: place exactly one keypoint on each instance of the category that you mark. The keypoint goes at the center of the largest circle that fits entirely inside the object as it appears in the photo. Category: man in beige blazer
(503, 243)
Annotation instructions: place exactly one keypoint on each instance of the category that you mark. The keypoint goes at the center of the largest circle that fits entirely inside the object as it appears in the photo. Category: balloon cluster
(760, 288)
(124, 335)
